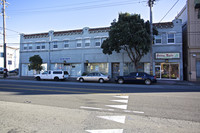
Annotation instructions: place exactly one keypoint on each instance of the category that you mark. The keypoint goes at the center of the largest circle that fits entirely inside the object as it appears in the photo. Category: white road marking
(126, 97)
(121, 101)
(106, 131)
(138, 112)
(118, 106)
(93, 108)
(120, 119)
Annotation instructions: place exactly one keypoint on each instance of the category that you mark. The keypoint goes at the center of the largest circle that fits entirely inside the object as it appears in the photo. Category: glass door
(158, 71)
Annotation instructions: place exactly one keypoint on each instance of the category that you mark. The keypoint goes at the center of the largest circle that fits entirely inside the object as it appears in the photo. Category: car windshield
(45, 72)
(102, 73)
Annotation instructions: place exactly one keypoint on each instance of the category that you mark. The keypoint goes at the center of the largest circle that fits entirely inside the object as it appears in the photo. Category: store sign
(167, 55)
(65, 59)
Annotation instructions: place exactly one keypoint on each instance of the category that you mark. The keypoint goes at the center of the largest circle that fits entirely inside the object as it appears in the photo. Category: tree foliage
(35, 63)
(129, 33)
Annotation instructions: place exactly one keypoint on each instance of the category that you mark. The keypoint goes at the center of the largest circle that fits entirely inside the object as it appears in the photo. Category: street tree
(131, 34)
(35, 63)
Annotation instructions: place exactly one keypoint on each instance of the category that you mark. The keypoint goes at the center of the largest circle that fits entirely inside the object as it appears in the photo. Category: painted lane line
(120, 119)
(106, 131)
(121, 101)
(129, 111)
(117, 106)
(44, 90)
(61, 87)
(125, 97)
(93, 108)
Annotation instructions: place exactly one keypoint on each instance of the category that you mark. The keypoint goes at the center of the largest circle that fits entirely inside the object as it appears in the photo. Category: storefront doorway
(167, 71)
(115, 69)
(158, 71)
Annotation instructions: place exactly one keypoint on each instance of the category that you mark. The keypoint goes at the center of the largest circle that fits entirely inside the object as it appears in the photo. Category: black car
(16, 71)
(136, 77)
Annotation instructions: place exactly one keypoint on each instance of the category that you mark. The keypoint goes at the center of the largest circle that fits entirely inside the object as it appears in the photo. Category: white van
(52, 75)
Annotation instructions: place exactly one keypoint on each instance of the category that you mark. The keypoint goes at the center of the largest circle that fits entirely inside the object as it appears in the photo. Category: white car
(52, 75)
(94, 76)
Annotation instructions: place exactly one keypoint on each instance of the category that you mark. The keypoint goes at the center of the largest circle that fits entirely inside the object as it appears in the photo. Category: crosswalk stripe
(125, 97)
(121, 101)
(117, 106)
(120, 119)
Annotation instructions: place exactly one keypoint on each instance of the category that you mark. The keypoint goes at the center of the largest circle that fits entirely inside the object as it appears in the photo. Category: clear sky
(35, 16)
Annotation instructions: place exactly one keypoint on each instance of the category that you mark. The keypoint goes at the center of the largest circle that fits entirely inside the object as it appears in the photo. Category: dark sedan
(136, 77)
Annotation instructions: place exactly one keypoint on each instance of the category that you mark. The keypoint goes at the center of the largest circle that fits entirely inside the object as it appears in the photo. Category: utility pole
(4, 32)
(152, 71)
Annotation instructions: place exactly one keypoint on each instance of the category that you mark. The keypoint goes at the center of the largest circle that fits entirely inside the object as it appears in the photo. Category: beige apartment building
(190, 16)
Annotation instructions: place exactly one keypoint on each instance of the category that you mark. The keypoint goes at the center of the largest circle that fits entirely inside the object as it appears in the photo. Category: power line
(69, 8)
(11, 30)
(169, 10)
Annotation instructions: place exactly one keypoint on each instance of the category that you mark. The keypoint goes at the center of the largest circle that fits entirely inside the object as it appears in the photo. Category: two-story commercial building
(79, 51)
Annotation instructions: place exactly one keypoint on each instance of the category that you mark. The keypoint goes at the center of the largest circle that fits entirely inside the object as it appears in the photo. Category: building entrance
(115, 69)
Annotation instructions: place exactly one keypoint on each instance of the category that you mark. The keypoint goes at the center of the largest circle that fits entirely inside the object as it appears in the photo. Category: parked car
(53, 75)
(94, 76)
(136, 77)
(16, 71)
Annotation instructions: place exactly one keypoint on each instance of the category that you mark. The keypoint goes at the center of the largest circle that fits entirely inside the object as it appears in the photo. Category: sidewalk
(72, 79)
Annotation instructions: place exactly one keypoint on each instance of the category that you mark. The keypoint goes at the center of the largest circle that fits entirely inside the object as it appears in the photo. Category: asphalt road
(48, 106)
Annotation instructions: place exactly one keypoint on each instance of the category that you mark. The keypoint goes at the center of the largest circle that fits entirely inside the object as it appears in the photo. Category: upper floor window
(25, 47)
(87, 43)
(43, 45)
(158, 39)
(30, 46)
(78, 43)
(66, 44)
(171, 38)
(55, 44)
(97, 44)
(38, 46)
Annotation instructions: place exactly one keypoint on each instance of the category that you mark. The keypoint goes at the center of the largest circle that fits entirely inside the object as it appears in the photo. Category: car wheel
(38, 78)
(101, 80)
(56, 79)
(147, 81)
(120, 81)
(81, 80)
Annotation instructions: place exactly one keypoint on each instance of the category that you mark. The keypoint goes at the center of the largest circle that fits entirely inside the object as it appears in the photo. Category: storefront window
(128, 67)
(167, 70)
(142, 67)
(97, 67)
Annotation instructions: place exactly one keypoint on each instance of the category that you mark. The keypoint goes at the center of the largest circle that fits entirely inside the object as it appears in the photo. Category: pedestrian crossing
(123, 106)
